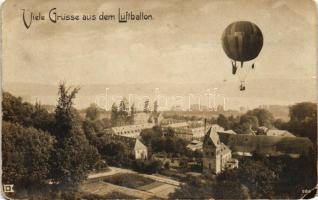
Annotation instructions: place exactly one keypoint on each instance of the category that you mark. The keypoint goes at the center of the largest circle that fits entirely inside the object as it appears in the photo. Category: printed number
(305, 191)
(8, 188)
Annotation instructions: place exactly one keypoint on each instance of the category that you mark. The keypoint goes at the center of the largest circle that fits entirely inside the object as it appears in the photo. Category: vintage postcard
(159, 99)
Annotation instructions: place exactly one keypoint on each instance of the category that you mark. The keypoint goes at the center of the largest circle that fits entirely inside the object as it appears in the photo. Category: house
(216, 155)
(177, 125)
(190, 131)
(195, 145)
(132, 131)
(198, 132)
(141, 118)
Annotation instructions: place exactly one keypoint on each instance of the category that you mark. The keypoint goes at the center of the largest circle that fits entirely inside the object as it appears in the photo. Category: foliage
(277, 177)
(114, 115)
(129, 180)
(194, 188)
(92, 112)
(115, 153)
(264, 117)
(173, 145)
(111, 195)
(303, 111)
(147, 106)
(222, 185)
(147, 166)
(223, 121)
(73, 156)
(25, 155)
(167, 165)
(247, 122)
(258, 177)
(155, 140)
(16, 111)
(303, 120)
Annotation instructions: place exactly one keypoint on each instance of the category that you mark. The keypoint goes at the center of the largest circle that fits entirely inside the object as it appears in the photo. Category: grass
(111, 195)
(129, 180)
(151, 186)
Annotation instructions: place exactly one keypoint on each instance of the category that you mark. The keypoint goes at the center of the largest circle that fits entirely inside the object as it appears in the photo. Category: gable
(139, 145)
(211, 138)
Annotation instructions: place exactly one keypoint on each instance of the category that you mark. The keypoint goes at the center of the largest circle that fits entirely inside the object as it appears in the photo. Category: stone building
(188, 131)
(216, 155)
(141, 118)
(132, 131)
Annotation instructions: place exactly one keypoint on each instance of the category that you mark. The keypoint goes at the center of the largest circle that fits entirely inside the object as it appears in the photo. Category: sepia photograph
(158, 99)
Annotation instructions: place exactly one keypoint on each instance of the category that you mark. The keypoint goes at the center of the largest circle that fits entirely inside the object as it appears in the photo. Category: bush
(147, 166)
(129, 180)
(26, 153)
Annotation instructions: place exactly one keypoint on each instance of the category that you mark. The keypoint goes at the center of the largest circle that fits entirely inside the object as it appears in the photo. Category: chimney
(204, 125)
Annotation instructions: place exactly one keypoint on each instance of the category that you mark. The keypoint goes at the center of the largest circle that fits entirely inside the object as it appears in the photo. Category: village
(210, 150)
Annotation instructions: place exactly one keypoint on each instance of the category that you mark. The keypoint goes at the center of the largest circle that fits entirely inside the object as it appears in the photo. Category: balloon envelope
(242, 41)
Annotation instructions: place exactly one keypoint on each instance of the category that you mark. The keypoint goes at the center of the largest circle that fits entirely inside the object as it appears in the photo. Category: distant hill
(258, 92)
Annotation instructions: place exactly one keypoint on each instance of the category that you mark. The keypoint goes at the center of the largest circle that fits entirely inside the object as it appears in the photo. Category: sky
(181, 45)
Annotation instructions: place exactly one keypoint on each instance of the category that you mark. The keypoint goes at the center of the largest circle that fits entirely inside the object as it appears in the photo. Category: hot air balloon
(242, 41)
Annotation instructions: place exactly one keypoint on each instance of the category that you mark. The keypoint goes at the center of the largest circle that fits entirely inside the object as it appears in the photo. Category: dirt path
(102, 188)
(95, 185)
(116, 170)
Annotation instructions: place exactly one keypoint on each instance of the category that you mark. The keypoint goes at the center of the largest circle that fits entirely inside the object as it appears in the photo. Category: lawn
(129, 180)
(151, 186)
(112, 195)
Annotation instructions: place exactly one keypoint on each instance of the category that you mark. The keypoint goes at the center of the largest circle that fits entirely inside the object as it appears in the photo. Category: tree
(223, 121)
(73, 155)
(251, 120)
(16, 111)
(132, 113)
(114, 115)
(123, 106)
(167, 165)
(42, 119)
(146, 106)
(258, 177)
(264, 117)
(279, 124)
(92, 112)
(169, 132)
(147, 166)
(116, 154)
(247, 123)
(122, 115)
(25, 155)
(303, 120)
(302, 111)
